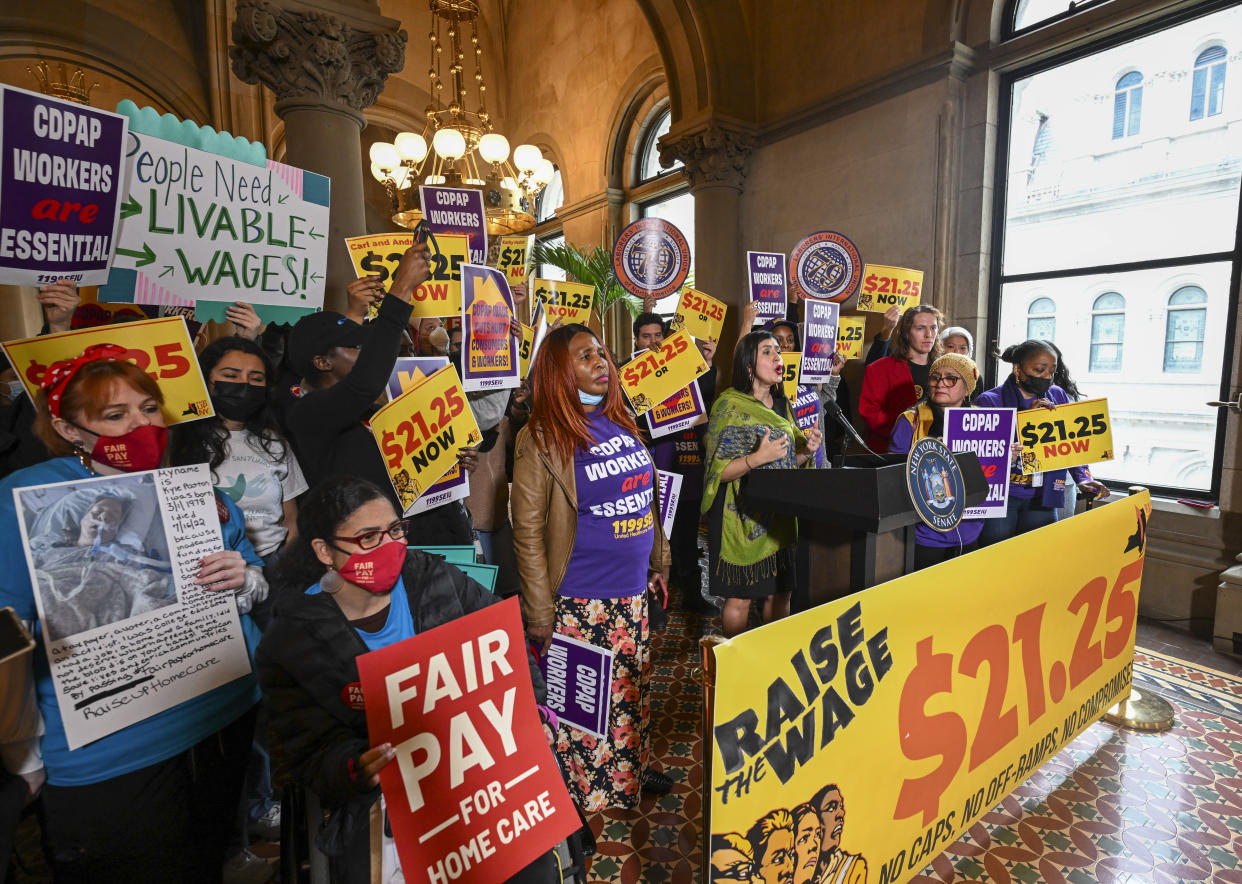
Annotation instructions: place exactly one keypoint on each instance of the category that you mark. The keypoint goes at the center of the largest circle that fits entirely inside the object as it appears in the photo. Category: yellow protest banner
(421, 431)
(566, 301)
(378, 255)
(160, 347)
(1068, 436)
(850, 331)
(920, 717)
(514, 257)
(524, 350)
(654, 375)
(789, 374)
(440, 295)
(700, 314)
(884, 287)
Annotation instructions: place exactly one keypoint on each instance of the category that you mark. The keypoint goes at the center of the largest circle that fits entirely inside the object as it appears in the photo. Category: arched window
(649, 148)
(1184, 330)
(1108, 329)
(1207, 88)
(1128, 105)
(1027, 14)
(551, 198)
(1041, 319)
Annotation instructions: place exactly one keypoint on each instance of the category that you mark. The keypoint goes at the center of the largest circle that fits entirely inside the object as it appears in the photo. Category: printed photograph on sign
(766, 273)
(61, 177)
(112, 560)
(886, 287)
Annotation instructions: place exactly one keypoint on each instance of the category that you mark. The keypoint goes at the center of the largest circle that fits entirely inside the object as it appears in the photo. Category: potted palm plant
(593, 268)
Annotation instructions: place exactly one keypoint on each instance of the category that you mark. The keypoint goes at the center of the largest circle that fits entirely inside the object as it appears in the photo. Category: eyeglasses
(943, 380)
(371, 539)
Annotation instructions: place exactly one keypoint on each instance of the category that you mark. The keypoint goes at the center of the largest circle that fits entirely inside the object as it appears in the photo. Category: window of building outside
(649, 153)
(677, 207)
(1108, 331)
(551, 198)
(1133, 239)
(1207, 88)
(1034, 13)
(1041, 320)
(1184, 330)
(1128, 105)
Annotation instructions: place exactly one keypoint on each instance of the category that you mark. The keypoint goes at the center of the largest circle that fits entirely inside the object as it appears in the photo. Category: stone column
(715, 156)
(324, 69)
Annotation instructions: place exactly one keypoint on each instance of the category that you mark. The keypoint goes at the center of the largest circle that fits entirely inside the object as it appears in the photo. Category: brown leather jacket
(545, 522)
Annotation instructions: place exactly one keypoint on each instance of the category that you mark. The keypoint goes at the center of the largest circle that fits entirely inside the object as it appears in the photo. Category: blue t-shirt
(397, 628)
(153, 739)
(614, 481)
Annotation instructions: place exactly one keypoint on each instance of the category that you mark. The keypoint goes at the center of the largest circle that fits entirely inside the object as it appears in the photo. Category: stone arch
(647, 79)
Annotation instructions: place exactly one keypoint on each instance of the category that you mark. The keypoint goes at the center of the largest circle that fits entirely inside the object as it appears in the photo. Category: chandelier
(458, 147)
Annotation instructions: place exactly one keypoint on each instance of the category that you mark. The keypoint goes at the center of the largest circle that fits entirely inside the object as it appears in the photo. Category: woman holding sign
(589, 547)
(349, 585)
(950, 380)
(752, 427)
(1034, 499)
(155, 800)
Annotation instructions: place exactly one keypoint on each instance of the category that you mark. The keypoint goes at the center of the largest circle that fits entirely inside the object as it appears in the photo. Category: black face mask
(1038, 386)
(237, 401)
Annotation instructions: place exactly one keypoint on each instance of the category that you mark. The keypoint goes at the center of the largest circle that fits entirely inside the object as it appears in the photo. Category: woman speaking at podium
(752, 554)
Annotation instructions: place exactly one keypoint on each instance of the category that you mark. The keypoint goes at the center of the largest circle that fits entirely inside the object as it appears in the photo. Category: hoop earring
(331, 582)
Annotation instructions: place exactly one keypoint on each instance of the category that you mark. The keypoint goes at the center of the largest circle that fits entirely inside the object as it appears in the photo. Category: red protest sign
(474, 794)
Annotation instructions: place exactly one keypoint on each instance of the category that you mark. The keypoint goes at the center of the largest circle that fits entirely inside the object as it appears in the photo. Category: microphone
(831, 406)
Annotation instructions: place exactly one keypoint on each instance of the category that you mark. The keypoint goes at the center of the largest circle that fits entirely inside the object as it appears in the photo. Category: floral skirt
(606, 773)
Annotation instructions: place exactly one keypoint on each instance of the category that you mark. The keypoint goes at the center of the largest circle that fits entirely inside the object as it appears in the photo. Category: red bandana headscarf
(59, 374)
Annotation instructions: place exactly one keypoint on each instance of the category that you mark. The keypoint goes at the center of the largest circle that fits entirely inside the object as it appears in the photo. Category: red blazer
(887, 391)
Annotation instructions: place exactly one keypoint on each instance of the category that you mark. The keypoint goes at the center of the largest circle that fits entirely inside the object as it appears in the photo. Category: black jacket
(307, 657)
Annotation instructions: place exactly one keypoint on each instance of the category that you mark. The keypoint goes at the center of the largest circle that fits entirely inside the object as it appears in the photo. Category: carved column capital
(715, 156)
(309, 56)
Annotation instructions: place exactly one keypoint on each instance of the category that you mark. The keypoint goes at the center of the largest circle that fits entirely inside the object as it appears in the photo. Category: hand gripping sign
(440, 293)
(654, 375)
(421, 431)
(766, 273)
(474, 793)
(1068, 436)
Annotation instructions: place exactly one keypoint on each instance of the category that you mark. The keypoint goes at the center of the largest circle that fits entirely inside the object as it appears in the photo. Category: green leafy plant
(593, 268)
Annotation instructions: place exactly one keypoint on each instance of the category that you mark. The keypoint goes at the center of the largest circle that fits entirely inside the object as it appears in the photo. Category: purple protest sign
(819, 341)
(408, 370)
(670, 493)
(579, 679)
(988, 432)
(457, 210)
(766, 272)
(678, 412)
(489, 353)
(60, 183)
(807, 414)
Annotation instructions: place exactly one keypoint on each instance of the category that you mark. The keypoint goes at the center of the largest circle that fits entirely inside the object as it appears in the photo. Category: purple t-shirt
(682, 453)
(614, 479)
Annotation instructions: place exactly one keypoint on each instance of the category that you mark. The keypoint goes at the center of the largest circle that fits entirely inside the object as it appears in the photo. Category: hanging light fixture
(458, 147)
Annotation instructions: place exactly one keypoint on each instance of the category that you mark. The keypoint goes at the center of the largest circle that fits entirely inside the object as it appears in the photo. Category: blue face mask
(16, 390)
(590, 399)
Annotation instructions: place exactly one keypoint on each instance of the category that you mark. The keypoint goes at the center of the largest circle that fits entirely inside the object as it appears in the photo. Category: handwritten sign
(489, 354)
(127, 632)
(988, 432)
(457, 210)
(700, 314)
(819, 341)
(421, 431)
(681, 411)
(670, 494)
(789, 374)
(160, 347)
(514, 258)
(766, 273)
(566, 301)
(455, 485)
(207, 228)
(1069, 436)
(579, 679)
(61, 177)
(850, 332)
(654, 375)
(474, 794)
(886, 287)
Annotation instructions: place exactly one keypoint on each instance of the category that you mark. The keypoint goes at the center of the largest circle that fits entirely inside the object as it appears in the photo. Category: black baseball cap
(316, 334)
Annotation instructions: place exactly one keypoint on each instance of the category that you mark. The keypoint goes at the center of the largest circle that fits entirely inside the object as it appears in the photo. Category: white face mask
(16, 390)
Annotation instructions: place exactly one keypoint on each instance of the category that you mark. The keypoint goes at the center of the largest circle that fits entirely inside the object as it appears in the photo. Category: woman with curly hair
(589, 547)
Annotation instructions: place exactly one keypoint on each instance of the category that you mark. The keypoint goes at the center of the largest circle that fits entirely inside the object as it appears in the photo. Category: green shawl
(749, 541)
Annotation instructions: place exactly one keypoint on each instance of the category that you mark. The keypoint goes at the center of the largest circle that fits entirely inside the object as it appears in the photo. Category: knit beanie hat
(962, 365)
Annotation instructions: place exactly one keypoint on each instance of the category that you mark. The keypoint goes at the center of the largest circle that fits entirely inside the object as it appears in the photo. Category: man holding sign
(344, 368)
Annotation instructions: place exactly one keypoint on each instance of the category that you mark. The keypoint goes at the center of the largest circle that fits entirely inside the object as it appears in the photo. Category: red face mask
(375, 570)
(139, 449)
